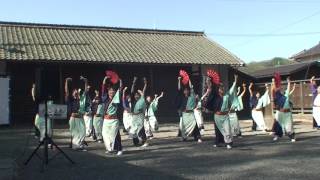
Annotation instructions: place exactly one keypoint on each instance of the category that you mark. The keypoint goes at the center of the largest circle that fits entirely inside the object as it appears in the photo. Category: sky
(253, 30)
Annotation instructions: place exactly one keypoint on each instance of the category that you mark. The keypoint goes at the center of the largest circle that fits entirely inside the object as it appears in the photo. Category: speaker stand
(45, 142)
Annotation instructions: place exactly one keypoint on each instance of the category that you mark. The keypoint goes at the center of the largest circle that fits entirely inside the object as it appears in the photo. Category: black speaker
(42, 84)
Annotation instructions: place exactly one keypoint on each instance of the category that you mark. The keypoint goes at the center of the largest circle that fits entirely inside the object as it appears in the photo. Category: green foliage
(258, 65)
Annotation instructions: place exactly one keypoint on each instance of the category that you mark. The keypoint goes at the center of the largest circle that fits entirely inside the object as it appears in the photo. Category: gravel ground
(254, 156)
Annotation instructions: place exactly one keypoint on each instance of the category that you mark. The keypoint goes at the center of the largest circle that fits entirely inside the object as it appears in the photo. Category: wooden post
(61, 84)
(151, 80)
(301, 98)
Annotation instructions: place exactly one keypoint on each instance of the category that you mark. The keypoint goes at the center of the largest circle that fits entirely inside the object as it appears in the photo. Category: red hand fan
(215, 78)
(185, 77)
(114, 78)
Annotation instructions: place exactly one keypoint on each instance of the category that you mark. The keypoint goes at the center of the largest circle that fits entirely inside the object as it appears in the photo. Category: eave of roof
(283, 70)
(52, 42)
(101, 28)
(315, 50)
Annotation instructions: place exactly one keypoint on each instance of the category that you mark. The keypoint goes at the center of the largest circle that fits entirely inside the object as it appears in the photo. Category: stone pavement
(255, 156)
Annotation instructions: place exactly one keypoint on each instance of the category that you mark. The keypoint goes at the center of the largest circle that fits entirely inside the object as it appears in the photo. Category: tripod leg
(64, 154)
(33, 153)
(70, 146)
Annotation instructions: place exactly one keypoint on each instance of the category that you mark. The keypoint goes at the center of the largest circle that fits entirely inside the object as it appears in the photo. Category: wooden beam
(301, 97)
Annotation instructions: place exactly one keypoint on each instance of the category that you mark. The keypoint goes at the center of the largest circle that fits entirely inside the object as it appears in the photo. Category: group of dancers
(99, 117)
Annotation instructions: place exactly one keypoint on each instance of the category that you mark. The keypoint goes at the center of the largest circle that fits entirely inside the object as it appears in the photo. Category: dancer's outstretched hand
(82, 78)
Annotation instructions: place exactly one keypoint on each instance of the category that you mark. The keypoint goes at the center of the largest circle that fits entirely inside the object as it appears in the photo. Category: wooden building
(71, 51)
(312, 54)
(300, 73)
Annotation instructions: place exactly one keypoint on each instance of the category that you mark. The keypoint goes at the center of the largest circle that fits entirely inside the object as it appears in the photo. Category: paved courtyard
(254, 156)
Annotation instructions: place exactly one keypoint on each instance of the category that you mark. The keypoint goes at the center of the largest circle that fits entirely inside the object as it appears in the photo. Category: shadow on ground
(253, 157)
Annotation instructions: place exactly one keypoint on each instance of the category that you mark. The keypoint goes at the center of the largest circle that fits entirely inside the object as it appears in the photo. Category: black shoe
(85, 143)
(179, 134)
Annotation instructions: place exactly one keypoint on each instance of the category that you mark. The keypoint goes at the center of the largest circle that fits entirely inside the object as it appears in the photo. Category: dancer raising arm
(139, 105)
(127, 110)
(87, 117)
(40, 121)
(98, 111)
(76, 106)
(284, 114)
(188, 125)
(221, 101)
(258, 102)
(316, 102)
(150, 121)
(111, 99)
(198, 112)
(237, 105)
(36, 110)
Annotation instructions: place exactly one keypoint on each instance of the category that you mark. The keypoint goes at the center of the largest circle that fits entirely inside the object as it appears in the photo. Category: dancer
(316, 102)
(188, 124)
(237, 105)
(87, 117)
(276, 128)
(139, 105)
(198, 112)
(177, 104)
(76, 106)
(111, 99)
(258, 102)
(127, 113)
(150, 120)
(36, 110)
(97, 109)
(221, 101)
(39, 120)
(284, 114)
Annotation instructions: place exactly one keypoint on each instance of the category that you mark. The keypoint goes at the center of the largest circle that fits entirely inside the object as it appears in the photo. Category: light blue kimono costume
(223, 121)
(150, 120)
(257, 114)
(285, 118)
(98, 120)
(110, 126)
(138, 117)
(87, 117)
(188, 122)
(236, 105)
(76, 124)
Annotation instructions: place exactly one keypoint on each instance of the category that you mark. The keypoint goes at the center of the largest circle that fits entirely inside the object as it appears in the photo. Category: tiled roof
(283, 70)
(315, 50)
(51, 42)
